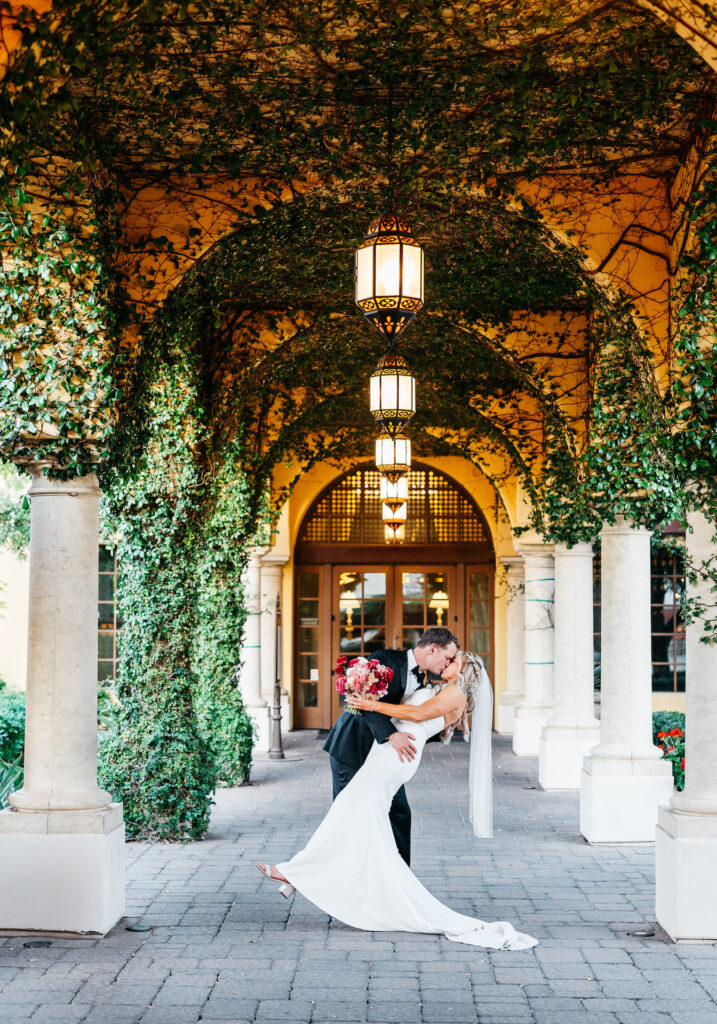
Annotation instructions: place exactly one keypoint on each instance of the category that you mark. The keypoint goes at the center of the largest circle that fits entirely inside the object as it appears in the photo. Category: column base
(505, 713)
(62, 871)
(261, 717)
(527, 729)
(685, 883)
(619, 798)
(562, 753)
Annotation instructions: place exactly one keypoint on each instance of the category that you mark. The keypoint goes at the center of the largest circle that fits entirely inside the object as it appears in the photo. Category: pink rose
(341, 684)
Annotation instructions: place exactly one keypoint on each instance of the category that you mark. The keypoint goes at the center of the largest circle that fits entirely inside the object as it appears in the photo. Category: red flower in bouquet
(363, 678)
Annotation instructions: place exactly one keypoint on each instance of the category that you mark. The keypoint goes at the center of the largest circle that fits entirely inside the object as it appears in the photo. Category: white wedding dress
(352, 870)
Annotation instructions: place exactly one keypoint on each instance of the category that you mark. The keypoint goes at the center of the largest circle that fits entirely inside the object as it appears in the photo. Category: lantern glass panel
(364, 273)
(394, 492)
(391, 535)
(406, 394)
(403, 451)
(375, 394)
(383, 453)
(412, 272)
(389, 392)
(387, 269)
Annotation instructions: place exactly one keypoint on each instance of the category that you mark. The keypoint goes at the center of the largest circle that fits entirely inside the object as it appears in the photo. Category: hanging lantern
(392, 396)
(394, 494)
(394, 517)
(389, 275)
(393, 455)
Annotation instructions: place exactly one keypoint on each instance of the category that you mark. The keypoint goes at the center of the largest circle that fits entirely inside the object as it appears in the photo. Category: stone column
(272, 572)
(513, 693)
(573, 730)
(537, 705)
(686, 840)
(62, 839)
(250, 674)
(624, 779)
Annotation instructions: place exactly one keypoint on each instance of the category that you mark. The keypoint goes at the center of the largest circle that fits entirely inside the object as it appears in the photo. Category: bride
(351, 868)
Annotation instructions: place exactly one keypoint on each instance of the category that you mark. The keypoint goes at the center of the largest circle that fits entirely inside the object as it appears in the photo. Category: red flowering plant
(362, 677)
(672, 745)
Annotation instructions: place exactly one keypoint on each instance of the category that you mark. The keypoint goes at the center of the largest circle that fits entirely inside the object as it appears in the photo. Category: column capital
(582, 549)
(272, 561)
(536, 552)
(256, 554)
(78, 486)
(625, 527)
(512, 562)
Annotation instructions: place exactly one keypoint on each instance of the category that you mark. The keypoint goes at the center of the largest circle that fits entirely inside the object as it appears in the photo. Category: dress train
(351, 868)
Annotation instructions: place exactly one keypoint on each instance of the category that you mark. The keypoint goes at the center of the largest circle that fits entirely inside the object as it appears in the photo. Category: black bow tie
(420, 676)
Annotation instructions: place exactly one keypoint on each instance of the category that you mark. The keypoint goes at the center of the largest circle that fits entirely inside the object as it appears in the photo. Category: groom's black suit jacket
(352, 736)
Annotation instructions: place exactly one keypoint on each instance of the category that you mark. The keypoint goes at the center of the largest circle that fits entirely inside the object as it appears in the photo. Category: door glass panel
(309, 585)
(479, 611)
(374, 639)
(307, 663)
(411, 637)
(436, 599)
(479, 586)
(480, 641)
(362, 612)
(309, 695)
(307, 634)
(308, 613)
(350, 642)
(425, 603)
(480, 614)
(413, 613)
(412, 583)
(307, 639)
(374, 593)
(374, 585)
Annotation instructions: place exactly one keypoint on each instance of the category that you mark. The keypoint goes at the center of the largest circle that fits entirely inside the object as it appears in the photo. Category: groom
(349, 742)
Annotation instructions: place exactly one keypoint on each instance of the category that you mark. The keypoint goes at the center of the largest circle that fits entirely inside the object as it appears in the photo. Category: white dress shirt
(411, 681)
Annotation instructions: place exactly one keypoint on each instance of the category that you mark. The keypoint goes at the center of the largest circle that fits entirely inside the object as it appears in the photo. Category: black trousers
(399, 815)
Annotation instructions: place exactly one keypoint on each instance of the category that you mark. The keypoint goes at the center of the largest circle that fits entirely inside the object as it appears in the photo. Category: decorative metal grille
(667, 588)
(438, 512)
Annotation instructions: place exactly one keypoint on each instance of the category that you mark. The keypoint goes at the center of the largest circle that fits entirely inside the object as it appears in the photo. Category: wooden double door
(357, 609)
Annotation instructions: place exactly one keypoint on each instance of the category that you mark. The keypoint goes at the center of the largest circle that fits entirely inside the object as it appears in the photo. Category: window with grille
(107, 623)
(667, 587)
(438, 512)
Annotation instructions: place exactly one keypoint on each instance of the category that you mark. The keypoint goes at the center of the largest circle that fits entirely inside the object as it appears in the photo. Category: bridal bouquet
(362, 677)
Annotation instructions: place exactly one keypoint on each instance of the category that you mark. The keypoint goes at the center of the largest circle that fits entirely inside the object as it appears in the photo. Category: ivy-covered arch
(151, 151)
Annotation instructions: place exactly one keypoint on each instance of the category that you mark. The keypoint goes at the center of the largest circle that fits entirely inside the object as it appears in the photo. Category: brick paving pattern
(225, 948)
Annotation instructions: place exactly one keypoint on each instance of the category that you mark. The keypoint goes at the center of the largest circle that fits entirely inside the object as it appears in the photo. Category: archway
(354, 593)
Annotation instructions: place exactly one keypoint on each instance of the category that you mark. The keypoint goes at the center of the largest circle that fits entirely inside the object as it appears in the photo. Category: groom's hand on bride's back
(402, 743)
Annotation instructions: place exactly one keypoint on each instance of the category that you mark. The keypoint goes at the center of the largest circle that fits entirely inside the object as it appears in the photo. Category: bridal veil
(481, 760)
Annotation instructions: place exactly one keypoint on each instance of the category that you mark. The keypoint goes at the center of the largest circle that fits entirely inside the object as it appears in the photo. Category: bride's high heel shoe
(286, 888)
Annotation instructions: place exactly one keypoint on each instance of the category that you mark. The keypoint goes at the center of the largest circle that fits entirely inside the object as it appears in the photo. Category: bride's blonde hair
(468, 679)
